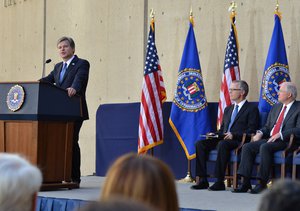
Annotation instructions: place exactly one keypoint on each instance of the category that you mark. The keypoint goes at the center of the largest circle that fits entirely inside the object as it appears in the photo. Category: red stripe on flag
(226, 91)
(143, 132)
(154, 98)
(232, 74)
(146, 110)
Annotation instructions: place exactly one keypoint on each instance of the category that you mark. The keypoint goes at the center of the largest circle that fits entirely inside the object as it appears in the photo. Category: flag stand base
(187, 179)
(270, 184)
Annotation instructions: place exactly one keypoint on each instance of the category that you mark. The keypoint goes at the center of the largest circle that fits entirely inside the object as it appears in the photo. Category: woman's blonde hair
(142, 178)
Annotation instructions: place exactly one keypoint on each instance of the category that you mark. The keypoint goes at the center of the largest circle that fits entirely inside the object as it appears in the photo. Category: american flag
(231, 70)
(153, 95)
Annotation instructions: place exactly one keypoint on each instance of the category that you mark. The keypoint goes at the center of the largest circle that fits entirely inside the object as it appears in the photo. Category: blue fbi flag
(276, 71)
(189, 116)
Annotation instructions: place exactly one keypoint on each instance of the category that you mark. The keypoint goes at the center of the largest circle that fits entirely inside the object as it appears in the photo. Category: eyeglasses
(234, 90)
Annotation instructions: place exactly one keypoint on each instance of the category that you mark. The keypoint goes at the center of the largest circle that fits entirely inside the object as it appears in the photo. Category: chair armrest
(296, 151)
(252, 135)
(289, 146)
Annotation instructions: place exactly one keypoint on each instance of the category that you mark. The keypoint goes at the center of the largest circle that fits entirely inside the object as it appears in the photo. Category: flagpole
(152, 13)
(188, 178)
(232, 7)
(152, 21)
(232, 10)
(151, 152)
(277, 9)
(278, 13)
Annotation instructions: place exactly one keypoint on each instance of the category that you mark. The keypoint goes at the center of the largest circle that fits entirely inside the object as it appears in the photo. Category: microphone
(48, 61)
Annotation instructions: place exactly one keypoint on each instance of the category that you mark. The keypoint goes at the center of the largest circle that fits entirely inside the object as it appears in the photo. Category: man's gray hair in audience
(19, 183)
(284, 195)
(291, 88)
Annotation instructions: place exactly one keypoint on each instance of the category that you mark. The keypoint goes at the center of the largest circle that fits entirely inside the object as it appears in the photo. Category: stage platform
(90, 189)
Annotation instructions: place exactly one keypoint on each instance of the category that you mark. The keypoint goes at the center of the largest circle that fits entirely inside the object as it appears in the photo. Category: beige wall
(111, 34)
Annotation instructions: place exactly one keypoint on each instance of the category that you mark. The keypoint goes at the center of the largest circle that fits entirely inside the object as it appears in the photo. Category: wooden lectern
(41, 129)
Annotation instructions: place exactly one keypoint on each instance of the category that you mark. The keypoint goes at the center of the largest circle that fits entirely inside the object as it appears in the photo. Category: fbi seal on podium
(15, 98)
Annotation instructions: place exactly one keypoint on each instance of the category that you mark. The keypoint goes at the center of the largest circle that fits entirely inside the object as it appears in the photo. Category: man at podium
(72, 74)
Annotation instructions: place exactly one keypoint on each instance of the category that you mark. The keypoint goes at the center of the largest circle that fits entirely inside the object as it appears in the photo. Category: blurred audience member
(117, 204)
(19, 183)
(142, 178)
(284, 195)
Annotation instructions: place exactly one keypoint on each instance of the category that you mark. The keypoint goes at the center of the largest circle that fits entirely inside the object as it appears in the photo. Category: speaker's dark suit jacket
(290, 125)
(246, 121)
(76, 76)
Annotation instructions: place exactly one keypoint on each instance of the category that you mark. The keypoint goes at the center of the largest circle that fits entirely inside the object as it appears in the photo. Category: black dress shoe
(243, 188)
(200, 185)
(217, 186)
(258, 189)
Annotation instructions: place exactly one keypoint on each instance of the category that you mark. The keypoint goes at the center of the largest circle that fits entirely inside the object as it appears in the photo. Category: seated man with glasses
(240, 117)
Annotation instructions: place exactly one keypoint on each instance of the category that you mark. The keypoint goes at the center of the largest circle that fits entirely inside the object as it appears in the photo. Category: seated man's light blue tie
(234, 113)
(62, 72)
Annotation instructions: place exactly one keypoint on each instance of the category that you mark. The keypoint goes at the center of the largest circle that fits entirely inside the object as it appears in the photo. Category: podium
(40, 128)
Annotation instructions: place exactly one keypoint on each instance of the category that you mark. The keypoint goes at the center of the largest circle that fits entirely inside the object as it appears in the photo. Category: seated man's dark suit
(76, 76)
(290, 125)
(246, 121)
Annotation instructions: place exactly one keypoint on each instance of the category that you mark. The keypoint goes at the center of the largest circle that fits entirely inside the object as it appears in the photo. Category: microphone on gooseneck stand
(46, 62)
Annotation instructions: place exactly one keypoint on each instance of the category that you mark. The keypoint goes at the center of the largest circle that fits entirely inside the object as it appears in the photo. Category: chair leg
(283, 171)
(227, 175)
(273, 171)
(234, 175)
(294, 172)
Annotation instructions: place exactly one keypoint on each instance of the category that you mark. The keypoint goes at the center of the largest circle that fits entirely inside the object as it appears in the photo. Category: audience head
(117, 204)
(238, 90)
(142, 178)
(284, 195)
(19, 183)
